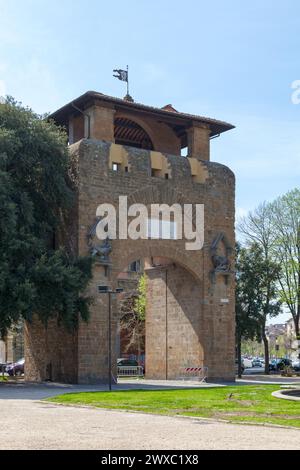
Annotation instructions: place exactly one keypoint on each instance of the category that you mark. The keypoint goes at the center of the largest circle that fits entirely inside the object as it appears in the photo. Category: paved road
(30, 424)
(253, 376)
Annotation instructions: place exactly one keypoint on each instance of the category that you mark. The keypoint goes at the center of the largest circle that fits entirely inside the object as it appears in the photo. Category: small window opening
(135, 267)
(184, 151)
(155, 173)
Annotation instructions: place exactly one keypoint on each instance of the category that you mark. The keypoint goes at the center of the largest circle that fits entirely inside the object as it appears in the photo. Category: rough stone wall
(2, 351)
(101, 123)
(174, 322)
(100, 184)
(50, 353)
(97, 183)
(198, 142)
(77, 124)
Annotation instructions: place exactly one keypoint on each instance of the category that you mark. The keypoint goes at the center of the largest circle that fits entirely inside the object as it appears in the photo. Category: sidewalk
(37, 391)
(268, 379)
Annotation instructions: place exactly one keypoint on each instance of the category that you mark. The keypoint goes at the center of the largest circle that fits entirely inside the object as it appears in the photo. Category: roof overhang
(183, 120)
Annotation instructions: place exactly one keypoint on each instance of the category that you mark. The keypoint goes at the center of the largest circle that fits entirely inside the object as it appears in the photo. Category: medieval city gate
(174, 326)
(120, 148)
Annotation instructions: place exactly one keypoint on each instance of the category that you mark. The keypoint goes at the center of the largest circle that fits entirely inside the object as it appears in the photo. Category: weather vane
(124, 77)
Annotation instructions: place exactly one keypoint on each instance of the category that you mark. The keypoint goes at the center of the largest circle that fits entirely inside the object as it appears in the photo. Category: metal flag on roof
(121, 74)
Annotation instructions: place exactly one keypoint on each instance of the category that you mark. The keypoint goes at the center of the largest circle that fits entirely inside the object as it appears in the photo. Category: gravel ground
(30, 424)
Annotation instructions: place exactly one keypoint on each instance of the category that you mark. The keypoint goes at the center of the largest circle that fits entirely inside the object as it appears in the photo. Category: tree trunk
(297, 330)
(139, 349)
(239, 355)
(296, 323)
(266, 348)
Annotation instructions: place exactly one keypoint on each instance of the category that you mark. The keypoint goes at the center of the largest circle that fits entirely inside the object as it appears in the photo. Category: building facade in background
(12, 347)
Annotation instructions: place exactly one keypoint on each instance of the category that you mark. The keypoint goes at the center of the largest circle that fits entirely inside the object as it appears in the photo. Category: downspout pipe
(214, 137)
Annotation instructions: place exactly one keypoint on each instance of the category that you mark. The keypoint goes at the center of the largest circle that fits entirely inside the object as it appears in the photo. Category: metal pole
(167, 344)
(109, 341)
(106, 290)
(127, 81)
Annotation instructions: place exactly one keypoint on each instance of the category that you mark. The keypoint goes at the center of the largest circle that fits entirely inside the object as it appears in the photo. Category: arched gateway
(190, 294)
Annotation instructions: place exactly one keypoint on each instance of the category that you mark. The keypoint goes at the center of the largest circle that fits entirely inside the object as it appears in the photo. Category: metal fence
(194, 373)
(130, 371)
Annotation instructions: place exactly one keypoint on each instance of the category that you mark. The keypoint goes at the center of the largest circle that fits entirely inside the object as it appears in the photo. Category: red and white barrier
(194, 373)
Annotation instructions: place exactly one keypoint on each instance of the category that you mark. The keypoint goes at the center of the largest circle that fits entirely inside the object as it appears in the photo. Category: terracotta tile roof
(167, 111)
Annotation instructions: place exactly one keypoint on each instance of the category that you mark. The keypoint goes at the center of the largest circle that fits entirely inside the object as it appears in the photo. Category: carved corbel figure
(221, 262)
(99, 250)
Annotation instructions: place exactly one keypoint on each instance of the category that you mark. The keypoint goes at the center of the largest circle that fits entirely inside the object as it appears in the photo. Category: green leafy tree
(276, 228)
(247, 327)
(36, 195)
(140, 300)
(286, 250)
(256, 295)
(132, 319)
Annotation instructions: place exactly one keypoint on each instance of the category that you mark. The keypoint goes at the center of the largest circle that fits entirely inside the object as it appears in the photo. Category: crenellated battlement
(128, 161)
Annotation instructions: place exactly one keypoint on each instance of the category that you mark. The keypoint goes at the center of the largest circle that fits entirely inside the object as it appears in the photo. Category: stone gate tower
(122, 148)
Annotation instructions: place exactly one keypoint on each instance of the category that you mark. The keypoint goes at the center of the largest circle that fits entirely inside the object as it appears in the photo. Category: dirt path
(28, 424)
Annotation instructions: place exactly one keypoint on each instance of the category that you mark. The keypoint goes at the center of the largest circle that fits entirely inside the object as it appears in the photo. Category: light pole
(276, 348)
(109, 291)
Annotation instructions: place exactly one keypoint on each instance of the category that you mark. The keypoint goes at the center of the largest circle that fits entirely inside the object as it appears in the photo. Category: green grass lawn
(252, 404)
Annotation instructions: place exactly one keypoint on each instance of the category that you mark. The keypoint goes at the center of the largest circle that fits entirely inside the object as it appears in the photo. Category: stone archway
(174, 322)
(129, 132)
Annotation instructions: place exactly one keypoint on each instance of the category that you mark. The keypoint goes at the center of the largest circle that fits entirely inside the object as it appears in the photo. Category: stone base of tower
(182, 325)
(189, 323)
(50, 353)
(174, 325)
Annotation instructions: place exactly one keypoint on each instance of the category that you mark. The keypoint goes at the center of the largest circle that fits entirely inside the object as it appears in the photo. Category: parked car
(257, 363)
(296, 365)
(127, 362)
(237, 366)
(247, 362)
(279, 364)
(16, 368)
(122, 364)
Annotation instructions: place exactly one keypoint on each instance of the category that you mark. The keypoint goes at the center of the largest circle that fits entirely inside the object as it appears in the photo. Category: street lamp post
(109, 291)
(277, 344)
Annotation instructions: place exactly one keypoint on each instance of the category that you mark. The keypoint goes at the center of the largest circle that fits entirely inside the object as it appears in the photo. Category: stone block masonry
(134, 151)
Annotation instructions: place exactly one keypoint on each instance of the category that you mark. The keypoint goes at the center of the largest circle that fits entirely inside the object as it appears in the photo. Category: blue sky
(230, 60)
